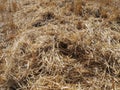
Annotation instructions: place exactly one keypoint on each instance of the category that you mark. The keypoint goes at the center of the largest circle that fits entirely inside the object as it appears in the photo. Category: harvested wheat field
(59, 44)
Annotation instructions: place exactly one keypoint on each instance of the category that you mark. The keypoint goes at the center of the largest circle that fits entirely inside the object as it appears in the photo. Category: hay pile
(60, 45)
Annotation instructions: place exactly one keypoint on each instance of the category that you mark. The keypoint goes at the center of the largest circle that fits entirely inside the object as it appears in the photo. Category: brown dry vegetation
(60, 45)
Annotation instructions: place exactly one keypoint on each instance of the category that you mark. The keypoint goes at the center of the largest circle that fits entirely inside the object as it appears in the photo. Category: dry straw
(41, 50)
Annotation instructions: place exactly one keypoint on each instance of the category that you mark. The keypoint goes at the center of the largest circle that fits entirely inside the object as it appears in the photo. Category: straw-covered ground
(59, 44)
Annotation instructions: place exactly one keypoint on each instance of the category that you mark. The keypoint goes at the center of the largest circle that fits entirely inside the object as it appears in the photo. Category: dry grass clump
(60, 47)
(74, 60)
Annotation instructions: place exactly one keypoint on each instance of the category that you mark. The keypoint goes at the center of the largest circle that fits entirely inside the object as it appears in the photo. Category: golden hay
(60, 45)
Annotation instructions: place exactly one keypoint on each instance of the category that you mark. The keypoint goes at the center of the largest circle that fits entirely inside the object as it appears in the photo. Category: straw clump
(50, 46)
